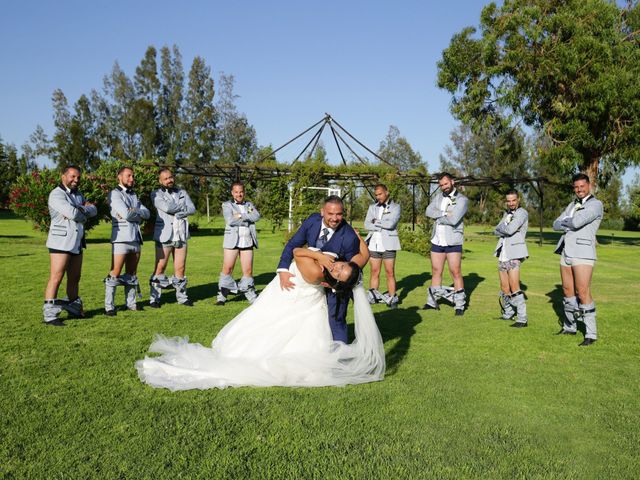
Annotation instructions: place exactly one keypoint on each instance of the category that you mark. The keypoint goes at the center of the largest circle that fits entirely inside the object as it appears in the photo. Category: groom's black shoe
(187, 303)
(587, 342)
(429, 307)
(459, 312)
(154, 305)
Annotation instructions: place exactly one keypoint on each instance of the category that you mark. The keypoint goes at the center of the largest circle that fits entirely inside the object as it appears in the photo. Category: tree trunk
(591, 169)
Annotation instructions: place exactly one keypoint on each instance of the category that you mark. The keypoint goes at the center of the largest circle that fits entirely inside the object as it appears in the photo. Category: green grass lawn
(463, 397)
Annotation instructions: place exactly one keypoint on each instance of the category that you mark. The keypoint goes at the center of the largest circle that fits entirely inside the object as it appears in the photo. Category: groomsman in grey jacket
(240, 239)
(447, 208)
(511, 251)
(171, 233)
(69, 211)
(127, 212)
(579, 223)
(383, 242)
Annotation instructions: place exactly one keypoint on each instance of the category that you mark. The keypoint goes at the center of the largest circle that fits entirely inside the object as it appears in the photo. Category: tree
(566, 67)
(396, 150)
(236, 137)
(170, 114)
(200, 123)
(632, 209)
(488, 152)
(143, 109)
(11, 167)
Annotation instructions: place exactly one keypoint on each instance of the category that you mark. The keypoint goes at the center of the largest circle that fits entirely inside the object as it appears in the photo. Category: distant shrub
(29, 194)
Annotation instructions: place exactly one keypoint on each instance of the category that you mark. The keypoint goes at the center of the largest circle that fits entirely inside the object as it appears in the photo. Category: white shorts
(122, 248)
(572, 261)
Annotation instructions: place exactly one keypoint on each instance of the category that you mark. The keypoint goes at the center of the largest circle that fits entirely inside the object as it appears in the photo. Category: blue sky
(370, 64)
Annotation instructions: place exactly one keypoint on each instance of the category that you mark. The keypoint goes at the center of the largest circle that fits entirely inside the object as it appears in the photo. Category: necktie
(323, 238)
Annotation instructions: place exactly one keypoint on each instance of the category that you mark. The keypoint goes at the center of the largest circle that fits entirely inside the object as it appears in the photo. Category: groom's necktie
(323, 238)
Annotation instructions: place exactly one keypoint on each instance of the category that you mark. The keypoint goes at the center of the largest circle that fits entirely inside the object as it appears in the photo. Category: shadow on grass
(16, 236)
(471, 282)
(17, 255)
(397, 324)
(409, 283)
(555, 298)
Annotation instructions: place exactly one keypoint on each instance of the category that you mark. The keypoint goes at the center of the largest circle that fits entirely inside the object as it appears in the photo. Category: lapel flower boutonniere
(250, 208)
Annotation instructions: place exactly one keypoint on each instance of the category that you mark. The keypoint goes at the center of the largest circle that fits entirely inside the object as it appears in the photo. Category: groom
(332, 235)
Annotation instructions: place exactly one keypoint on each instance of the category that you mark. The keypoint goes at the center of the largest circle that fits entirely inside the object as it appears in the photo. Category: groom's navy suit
(345, 244)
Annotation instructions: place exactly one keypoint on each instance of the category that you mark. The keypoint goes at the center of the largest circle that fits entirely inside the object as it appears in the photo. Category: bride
(283, 338)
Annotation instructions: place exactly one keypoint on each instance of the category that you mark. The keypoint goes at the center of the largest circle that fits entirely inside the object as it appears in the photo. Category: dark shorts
(53, 250)
(240, 249)
(448, 249)
(386, 255)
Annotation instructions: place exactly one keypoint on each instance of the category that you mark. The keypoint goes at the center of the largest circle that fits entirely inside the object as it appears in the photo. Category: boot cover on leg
(520, 304)
(506, 307)
(374, 296)
(391, 300)
(588, 317)
(247, 287)
(180, 285)
(51, 308)
(157, 283)
(75, 308)
(459, 301)
(432, 299)
(131, 291)
(110, 285)
(570, 305)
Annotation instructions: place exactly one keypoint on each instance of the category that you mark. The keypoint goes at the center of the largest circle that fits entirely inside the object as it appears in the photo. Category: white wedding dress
(283, 338)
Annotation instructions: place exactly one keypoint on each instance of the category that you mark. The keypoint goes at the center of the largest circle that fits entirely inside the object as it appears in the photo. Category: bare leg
(229, 258)
(389, 269)
(437, 266)
(374, 281)
(504, 283)
(74, 270)
(162, 258)
(58, 267)
(246, 261)
(582, 282)
(179, 261)
(454, 260)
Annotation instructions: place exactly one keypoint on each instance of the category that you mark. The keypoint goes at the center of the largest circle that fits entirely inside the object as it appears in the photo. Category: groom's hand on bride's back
(285, 280)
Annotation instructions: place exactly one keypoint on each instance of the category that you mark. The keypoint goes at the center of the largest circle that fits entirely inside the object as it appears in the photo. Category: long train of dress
(283, 338)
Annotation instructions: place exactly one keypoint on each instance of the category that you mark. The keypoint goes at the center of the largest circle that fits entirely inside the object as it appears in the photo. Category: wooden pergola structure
(259, 171)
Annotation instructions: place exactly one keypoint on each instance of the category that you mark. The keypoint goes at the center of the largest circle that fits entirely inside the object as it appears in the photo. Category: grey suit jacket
(126, 215)
(387, 226)
(68, 215)
(512, 232)
(248, 219)
(579, 239)
(452, 219)
(170, 205)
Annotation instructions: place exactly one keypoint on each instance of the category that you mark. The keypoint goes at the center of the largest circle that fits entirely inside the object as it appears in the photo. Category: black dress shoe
(188, 303)
(565, 332)
(587, 341)
(110, 313)
(519, 325)
(56, 323)
(459, 312)
(154, 305)
(429, 307)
